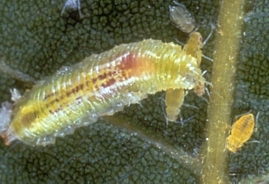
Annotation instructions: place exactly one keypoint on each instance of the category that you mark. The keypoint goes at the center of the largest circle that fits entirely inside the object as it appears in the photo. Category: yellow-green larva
(99, 85)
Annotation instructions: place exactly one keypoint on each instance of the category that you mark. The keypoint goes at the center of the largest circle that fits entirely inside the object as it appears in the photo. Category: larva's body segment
(241, 131)
(100, 85)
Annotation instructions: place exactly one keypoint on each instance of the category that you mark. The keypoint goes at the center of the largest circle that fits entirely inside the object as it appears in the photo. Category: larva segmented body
(241, 131)
(100, 85)
(181, 18)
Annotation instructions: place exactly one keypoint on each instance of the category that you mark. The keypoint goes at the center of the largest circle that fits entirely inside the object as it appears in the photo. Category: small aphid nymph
(241, 131)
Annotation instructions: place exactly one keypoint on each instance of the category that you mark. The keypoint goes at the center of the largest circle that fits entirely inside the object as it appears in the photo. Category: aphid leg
(207, 92)
(173, 100)
(206, 57)
(256, 122)
(72, 4)
(210, 34)
(206, 83)
(182, 121)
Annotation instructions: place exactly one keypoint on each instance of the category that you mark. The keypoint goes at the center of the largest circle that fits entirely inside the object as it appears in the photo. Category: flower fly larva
(72, 4)
(80, 94)
(181, 18)
(241, 131)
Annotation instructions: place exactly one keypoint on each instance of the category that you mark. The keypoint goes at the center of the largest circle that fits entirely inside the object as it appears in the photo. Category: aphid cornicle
(241, 131)
(99, 85)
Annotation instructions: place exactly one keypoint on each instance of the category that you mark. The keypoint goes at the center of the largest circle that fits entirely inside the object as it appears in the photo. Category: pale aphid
(194, 46)
(241, 131)
(101, 84)
(181, 18)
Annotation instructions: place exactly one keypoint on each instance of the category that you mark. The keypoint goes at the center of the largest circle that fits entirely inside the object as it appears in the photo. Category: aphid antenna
(242, 114)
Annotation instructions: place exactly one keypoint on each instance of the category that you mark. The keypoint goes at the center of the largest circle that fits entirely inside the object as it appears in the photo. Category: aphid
(99, 85)
(174, 98)
(194, 46)
(72, 4)
(181, 18)
(241, 131)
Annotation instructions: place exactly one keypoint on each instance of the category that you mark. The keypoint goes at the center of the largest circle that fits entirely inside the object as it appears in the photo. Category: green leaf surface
(135, 145)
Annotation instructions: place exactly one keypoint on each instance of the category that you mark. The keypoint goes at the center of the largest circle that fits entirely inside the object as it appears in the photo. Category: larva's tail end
(5, 119)
(8, 137)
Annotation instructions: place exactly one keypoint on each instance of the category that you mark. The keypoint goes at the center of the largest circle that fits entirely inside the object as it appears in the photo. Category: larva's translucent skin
(241, 132)
(100, 85)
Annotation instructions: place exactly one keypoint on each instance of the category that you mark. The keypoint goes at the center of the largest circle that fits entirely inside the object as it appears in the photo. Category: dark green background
(37, 40)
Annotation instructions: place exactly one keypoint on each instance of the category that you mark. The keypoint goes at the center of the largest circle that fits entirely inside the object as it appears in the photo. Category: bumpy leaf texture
(36, 39)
